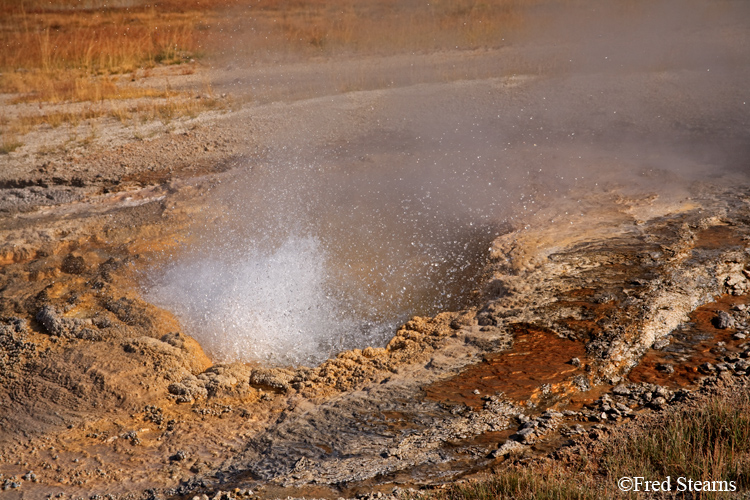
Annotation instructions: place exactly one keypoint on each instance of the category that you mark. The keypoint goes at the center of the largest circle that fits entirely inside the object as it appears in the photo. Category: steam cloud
(373, 206)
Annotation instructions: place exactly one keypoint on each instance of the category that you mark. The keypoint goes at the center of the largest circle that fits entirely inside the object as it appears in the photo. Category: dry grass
(9, 144)
(90, 50)
(96, 41)
(710, 442)
(164, 110)
(273, 29)
(74, 89)
(516, 485)
(104, 37)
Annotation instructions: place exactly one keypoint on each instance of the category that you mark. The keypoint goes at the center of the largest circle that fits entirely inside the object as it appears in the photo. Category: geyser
(300, 261)
(373, 206)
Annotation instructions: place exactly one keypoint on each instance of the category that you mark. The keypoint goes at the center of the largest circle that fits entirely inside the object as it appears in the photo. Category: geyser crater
(297, 263)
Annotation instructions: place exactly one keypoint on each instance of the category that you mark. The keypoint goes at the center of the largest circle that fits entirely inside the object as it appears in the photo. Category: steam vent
(374, 249)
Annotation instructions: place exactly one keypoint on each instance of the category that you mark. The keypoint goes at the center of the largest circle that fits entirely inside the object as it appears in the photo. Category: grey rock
(510, 446)
(187, 390)
(527, 435)
(723, 320)
(661, 344)
(581, 383)
(621, 390)
(60, 326)
(626, 410)
(665, 367)
(658, 403)
(707, 368)
(271, 378)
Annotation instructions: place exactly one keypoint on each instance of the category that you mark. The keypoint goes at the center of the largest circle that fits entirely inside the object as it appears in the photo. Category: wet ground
(601, 269)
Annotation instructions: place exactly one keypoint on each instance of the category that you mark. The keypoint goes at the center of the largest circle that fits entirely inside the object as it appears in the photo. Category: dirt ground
(639, 234)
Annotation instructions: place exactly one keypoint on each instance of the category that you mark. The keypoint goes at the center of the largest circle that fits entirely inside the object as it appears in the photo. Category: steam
(370, 207)
(300, 261)
(262, 304)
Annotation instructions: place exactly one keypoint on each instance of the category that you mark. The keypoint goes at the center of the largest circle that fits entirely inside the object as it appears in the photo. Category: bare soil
(103, 393)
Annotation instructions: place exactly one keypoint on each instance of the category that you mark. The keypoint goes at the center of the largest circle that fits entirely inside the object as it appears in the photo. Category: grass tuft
(710, 443)
(9, 145)
(706, 443)
(514, 485)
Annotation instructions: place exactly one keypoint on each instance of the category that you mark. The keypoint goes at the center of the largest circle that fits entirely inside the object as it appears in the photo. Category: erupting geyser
(370, 207)
(302, 261)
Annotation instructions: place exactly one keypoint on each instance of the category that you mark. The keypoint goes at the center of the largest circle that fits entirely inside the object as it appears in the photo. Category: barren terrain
(593, 167)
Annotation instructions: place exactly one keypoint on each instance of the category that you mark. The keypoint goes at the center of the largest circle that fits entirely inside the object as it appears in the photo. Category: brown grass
(164, 109)
(90, 50)
(67, 35)
(47, 88)
(707, 442)
(66, 50)
(9, 144)
(96, 41)
(302, 28)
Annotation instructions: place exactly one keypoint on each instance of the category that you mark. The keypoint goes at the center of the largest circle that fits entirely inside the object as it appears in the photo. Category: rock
(739, 335)
(73, 265)
(509, 447)
(271, 378)
(723, 320)
(552, 414)
(11, 485)
(526, 435)
(581, 383)
(661, 344)
(707, 368)
(665, 368)
(179, 456)
(658, 403)
(575, 362)
(60, 326)
(663, 392)
(625, 410)
(188, 389)
(621, 390)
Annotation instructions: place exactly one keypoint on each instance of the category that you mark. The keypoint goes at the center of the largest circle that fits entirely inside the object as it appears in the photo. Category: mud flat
(617, 286)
